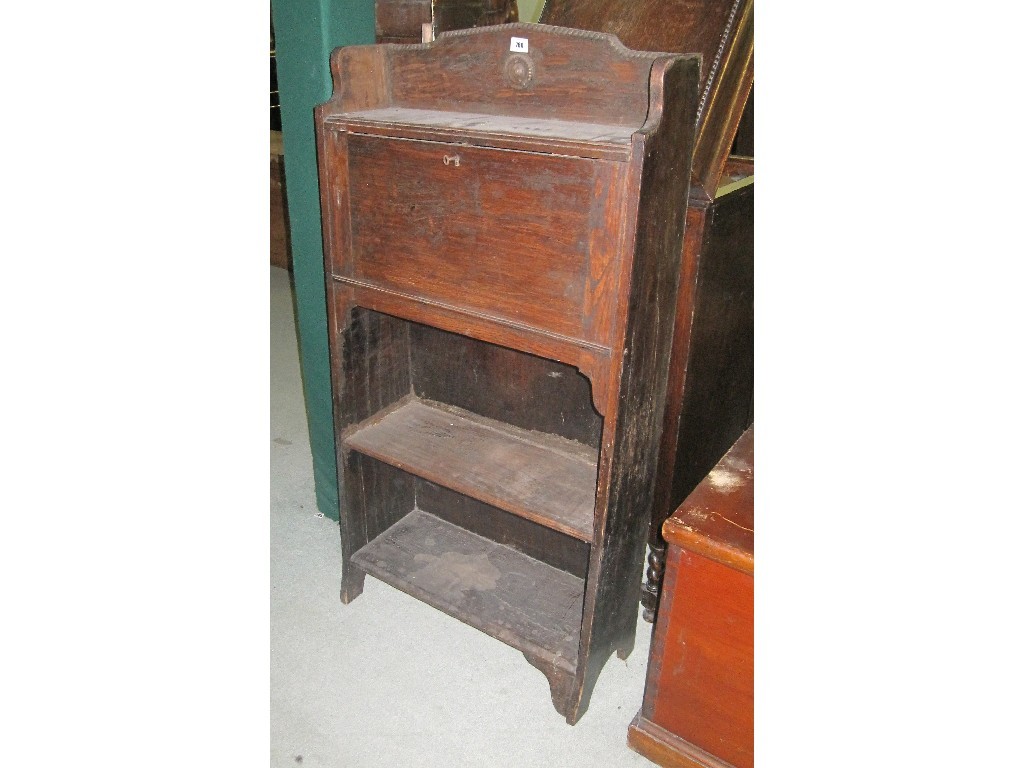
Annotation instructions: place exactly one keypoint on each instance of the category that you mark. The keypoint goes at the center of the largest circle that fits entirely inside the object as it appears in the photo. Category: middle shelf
(542, 477)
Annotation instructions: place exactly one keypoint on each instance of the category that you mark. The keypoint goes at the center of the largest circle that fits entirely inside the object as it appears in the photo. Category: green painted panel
(305, 32)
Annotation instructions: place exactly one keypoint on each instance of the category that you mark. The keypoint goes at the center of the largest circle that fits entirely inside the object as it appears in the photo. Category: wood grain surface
(579, 139)
(703, 679)
(505, 384)
(523, 602)
(538, 476)
(512, 233)
(721, 31)
(717, 519)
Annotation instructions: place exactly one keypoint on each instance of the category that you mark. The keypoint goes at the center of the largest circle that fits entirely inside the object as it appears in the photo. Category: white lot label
(520, 45)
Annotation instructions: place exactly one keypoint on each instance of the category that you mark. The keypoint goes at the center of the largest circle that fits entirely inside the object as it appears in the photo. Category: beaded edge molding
(717, 61)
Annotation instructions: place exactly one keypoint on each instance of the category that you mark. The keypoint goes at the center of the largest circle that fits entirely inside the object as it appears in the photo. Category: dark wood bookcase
(503, 214)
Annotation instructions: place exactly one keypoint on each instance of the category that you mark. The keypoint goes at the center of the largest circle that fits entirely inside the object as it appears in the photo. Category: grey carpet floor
(388, 680)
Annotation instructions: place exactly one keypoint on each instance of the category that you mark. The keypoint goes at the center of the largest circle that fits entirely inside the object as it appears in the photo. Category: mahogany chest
(698, 706)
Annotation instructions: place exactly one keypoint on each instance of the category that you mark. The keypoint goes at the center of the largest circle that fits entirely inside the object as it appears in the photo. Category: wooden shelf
(523, 602)
(539, 134)
(541, 477)
(509, 125)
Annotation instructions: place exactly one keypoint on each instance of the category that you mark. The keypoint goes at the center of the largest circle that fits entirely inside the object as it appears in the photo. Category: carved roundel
(519, 70)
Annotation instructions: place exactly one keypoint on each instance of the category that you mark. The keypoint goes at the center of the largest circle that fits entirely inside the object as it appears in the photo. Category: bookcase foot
(626, 647)
(564, 695)
(351, 584)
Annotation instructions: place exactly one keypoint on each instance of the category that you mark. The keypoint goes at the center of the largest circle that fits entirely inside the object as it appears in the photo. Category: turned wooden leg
(651, 589)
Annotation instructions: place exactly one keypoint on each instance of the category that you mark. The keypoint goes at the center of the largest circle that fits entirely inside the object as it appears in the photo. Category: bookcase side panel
(617, 559)
(370, 371)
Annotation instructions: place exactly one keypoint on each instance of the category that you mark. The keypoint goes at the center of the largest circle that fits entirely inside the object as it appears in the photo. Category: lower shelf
(523, 602)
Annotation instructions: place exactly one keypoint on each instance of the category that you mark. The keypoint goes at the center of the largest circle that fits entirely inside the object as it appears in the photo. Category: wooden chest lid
(717, 519)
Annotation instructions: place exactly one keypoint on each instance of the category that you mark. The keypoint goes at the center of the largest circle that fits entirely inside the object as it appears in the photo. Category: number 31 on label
(520, 45)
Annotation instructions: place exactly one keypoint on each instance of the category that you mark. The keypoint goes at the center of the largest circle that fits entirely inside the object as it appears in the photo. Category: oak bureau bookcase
(503, 213)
